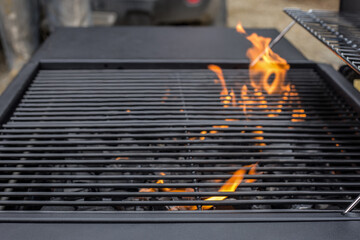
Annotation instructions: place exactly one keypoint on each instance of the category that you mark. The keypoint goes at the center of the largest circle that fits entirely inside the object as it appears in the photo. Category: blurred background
(25, 24)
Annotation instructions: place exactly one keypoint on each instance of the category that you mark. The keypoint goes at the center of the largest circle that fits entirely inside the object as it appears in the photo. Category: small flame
(244, 90)
(224, 92)
(233, 98)
(232, 183)
(203, 132)
(220, 126)
(299, 110)
(218, 71)
(252, 171)
(240, 29)
(231, 119)
(175, 208)
(260, 137)
(160, 181)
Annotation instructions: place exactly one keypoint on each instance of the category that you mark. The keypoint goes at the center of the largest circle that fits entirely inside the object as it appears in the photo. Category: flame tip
(240, 28)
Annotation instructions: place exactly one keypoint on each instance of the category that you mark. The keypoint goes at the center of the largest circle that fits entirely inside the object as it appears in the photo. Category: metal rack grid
(61, 144)
(338, 31)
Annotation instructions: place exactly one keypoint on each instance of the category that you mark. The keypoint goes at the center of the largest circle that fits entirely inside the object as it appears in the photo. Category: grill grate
(338, 31)
(102, 139)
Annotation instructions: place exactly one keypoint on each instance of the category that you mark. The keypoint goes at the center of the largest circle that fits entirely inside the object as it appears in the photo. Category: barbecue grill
(89, 145)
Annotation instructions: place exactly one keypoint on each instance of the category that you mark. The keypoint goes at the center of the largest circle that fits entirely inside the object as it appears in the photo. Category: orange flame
(240, 29)
(175, 208)
(203, 132)
(229, 186)
(232, 183)
(220, 126)
(218, 71)
(231, 119)
(224, 92)
(269, 64)
(267, 74)
(252, 171)
(244, 90)
(160, 181)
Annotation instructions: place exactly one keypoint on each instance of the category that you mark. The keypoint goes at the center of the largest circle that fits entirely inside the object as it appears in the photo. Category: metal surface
(338, 31)
(186, 44)
(71, 125)
(188, 225)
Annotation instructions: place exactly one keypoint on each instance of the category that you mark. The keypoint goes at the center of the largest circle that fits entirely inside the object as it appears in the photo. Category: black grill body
(64, 124)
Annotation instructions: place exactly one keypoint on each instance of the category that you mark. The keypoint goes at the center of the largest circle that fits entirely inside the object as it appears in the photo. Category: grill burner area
(102, 140)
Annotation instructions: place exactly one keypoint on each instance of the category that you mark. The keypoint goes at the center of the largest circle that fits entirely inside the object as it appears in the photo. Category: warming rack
(339, 31)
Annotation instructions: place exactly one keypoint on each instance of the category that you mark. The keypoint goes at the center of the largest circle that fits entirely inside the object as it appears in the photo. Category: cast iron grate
(338, 31)
(103, 139)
